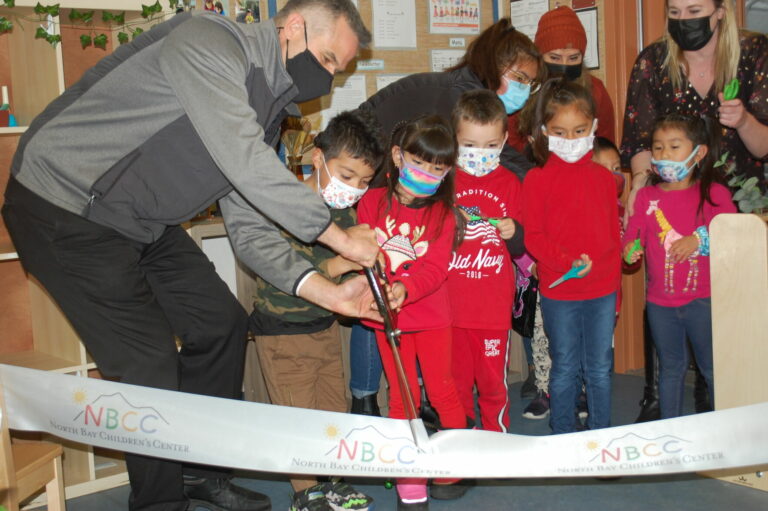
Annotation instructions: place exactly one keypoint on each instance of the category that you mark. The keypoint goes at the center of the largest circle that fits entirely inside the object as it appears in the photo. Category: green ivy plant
(85, 18)
(749, 197)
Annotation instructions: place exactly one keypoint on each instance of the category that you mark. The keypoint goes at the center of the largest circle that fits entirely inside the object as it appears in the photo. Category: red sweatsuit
(481, 285)
(418, 243)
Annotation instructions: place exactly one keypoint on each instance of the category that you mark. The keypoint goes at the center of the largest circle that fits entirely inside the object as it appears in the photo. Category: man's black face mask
(309, 76)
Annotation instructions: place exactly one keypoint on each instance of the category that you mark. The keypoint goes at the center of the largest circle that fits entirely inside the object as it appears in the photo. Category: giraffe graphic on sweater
(667, 237)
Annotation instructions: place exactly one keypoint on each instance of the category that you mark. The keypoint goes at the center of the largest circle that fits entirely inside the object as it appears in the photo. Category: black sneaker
(342, 497)
(649, 410)
(222, 495)
(450, 491)
(311, 499)
(367, 405)
(528, 389)
(538, 408)
(581, 406)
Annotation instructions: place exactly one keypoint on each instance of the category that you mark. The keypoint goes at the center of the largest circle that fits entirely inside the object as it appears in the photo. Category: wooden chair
(26, 467)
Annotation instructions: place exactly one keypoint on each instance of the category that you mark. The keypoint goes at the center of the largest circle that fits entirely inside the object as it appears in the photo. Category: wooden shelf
(8, 251)
(17, 130)
(41, 361)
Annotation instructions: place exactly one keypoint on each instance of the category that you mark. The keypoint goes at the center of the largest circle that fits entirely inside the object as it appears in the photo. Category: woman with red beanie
(562, 41)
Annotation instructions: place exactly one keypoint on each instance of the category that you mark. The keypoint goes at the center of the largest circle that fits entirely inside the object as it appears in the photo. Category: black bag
(524, 308)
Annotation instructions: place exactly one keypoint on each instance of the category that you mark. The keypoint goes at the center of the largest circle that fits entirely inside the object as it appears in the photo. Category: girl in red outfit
(569, 213)
(416, 227)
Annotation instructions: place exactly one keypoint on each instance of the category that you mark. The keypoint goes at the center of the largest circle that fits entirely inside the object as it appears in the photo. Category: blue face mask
(515, 96)
(674, 171)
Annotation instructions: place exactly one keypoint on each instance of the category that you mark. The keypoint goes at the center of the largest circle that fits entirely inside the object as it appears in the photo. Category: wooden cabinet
(35, 332)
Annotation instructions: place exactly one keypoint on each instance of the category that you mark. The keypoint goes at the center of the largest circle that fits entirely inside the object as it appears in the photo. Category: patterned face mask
(418, 182)
(338, 194)
(674, 171)
(478, 162)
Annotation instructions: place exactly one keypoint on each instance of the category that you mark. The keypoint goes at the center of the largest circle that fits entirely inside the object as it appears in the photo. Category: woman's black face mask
(309, 76)
(691, 34)
(571, 72)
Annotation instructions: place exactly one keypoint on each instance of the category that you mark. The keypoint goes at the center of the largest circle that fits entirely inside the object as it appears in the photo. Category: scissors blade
(557, 282)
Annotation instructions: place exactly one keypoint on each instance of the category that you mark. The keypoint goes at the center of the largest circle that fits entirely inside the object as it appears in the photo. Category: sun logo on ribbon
(332, 431)
(592, 445)
(79, 396)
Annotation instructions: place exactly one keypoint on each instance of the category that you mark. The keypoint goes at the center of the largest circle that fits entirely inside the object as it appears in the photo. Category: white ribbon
(253, 436)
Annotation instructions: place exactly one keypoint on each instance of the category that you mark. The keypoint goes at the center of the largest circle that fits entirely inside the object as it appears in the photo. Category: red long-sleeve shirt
(418, 243)
(570, 209)
(481, 279)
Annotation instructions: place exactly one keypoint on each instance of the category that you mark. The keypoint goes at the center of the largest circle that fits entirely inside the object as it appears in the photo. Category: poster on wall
(248, 11)
(454, 16)
(588, 18)
(525, 15)
(394, 24)
(441, 60)
(384, 80)
(347, 94)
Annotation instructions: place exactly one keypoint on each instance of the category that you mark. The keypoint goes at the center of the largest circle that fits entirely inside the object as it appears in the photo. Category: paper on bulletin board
(525, 15)
(384, 80)
(443, 59)
(345, 96)
(454, 17)
(394, 24)
(588, 18)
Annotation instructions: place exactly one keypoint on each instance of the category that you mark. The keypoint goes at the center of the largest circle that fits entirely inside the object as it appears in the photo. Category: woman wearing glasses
(501, 59)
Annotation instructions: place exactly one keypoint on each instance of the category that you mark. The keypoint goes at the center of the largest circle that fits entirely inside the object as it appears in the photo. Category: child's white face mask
(572, 150)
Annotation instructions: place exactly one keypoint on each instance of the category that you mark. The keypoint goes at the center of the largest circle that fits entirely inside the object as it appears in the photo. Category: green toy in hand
(636, 245)
(731, 90)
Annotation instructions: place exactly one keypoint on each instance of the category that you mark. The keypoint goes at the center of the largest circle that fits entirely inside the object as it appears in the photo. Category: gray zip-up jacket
(186, 114)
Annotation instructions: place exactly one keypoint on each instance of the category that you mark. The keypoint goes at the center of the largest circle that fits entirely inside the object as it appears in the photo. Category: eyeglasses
(519, 77)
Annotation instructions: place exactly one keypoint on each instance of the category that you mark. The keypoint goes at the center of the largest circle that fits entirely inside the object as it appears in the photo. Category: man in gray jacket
(186, 114)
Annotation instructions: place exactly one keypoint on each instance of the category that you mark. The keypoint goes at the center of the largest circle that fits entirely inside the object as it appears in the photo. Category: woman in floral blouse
(686, 71)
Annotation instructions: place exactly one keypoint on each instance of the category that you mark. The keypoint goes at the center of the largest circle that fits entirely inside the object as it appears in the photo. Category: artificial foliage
(85, 19)
(748, 195)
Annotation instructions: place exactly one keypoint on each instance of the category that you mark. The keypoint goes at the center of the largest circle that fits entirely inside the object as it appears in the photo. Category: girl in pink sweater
(671, 220)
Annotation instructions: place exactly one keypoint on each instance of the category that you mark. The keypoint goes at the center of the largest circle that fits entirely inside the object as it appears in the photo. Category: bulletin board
(379, 65)
(376, 64)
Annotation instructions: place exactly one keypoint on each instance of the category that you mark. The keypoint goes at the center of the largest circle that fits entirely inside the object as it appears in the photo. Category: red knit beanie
(560, 28)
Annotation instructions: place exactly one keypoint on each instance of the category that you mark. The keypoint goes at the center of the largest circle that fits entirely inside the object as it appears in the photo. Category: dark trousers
(127, 300)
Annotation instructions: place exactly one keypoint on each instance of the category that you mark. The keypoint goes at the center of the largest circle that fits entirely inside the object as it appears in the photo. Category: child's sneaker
(412, 494)
(538, 408)
(341, 497)
(311, 499)
(412, 506)
(581, 406)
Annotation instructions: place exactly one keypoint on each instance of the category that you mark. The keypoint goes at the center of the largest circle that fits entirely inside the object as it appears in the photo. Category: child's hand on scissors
(506, 227)
(636, 255)
(585, 261)
(396, 294)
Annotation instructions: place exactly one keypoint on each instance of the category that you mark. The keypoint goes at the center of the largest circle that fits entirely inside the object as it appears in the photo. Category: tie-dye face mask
(418, 182)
